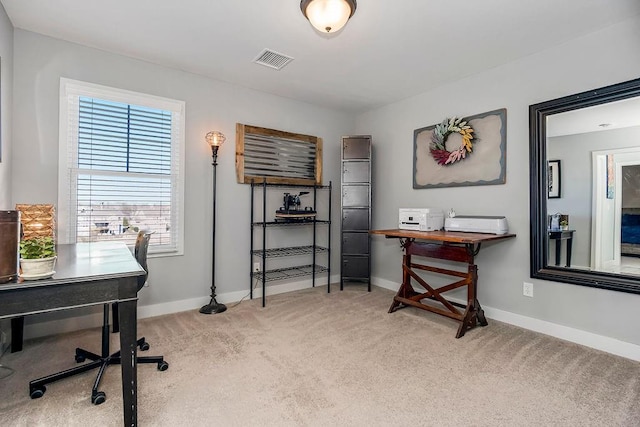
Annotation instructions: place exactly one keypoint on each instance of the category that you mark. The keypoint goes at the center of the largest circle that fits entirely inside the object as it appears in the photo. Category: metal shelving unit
(264, 253)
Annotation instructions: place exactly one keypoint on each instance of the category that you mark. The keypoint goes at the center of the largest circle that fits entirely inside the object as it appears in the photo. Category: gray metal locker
(355, 219)
(355, 202)
(355, 195)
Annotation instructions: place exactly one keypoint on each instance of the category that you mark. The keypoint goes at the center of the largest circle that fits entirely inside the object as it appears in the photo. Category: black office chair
(37, 387)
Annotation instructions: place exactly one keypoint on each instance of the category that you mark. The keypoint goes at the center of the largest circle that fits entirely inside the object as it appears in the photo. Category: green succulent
(37, 248)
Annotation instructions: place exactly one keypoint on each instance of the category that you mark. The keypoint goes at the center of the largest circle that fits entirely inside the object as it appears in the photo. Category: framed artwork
(554, 174)
(610, 177)
(461, 151)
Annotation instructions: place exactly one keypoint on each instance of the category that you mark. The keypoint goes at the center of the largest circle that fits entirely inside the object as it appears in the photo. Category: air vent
(272, 59)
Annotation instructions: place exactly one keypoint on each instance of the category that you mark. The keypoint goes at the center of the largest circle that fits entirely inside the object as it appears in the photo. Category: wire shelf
(305, 225)
(290, 251)
(290, 223)
(282, 185)
(289, 272)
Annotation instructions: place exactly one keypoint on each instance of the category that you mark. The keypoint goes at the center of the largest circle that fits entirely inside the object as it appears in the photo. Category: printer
(477, 224)
(423, 219)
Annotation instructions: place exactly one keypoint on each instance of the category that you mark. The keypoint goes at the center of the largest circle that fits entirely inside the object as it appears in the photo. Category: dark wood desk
(452, 246)
(88, 274)
(559, 236)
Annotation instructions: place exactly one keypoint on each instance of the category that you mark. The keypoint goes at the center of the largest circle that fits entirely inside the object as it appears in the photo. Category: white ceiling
(388, 51)
(609, 116)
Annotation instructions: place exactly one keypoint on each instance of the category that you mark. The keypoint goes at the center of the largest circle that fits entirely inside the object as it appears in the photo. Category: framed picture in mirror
(554, 179)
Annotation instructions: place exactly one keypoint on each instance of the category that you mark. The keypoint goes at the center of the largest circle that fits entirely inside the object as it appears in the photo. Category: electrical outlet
(527, 289)
(256, 267)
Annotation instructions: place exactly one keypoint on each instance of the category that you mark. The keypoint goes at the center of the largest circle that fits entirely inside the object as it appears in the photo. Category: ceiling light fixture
(328, 16)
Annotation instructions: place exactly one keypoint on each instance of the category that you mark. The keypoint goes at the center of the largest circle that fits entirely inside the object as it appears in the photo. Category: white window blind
(123, 170)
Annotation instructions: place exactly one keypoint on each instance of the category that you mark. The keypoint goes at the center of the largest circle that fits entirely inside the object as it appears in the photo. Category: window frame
(68, 139)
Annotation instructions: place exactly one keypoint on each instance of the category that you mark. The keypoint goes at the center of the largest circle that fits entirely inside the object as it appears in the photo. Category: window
(121, 166)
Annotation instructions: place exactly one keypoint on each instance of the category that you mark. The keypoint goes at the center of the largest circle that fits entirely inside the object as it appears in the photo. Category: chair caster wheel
(163, 366)
(144, 346)
(98, 398)
(80, 359)
(37, 393)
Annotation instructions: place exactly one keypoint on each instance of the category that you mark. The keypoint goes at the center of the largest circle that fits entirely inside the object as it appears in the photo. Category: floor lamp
(215, 140)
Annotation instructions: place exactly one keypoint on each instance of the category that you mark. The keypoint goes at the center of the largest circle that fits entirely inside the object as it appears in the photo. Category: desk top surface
(556, 233)
(80, 262)
(443, 236)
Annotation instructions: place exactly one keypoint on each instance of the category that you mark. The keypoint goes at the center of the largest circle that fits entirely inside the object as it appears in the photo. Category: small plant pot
(40, 268)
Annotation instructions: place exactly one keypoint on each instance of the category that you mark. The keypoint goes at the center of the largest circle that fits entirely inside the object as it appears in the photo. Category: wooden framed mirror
(596, 135)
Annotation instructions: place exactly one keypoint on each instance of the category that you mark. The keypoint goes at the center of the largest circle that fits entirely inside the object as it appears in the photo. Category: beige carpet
(316, 359)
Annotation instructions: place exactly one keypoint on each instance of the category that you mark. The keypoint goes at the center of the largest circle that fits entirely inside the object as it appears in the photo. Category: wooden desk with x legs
(88, 274)
(446, 245)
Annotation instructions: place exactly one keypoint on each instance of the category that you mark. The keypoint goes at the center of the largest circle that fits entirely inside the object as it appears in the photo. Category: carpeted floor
(316, 359)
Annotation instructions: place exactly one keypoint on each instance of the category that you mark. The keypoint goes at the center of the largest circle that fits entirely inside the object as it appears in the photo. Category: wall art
(555, 181)
(461, 151)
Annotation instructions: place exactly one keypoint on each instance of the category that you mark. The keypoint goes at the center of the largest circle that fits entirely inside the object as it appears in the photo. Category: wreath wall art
(439, 139)
(461, 151)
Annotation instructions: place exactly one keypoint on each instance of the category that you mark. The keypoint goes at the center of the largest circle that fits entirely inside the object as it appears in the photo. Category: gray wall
(6, 100)
(598, 59)
(179, 282)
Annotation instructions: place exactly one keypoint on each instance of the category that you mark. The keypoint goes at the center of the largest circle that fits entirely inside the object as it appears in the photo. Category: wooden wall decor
(277, 157)
(485, 165)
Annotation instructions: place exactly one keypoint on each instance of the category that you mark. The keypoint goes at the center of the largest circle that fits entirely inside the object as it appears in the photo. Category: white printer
(477, 224)
(423, 219)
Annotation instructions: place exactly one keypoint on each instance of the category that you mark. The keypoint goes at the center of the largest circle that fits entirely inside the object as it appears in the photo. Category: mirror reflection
(594, 187)
(585, 188)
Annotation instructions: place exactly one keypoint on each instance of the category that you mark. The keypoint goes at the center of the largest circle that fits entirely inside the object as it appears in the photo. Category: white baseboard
(588, 339)
(228, 298)
(94, 320)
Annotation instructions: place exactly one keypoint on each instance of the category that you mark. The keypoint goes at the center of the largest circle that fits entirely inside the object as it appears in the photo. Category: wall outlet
(527, 289)
(256, 267)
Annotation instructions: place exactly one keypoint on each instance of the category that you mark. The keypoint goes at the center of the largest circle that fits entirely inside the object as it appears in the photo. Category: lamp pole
(215, 139)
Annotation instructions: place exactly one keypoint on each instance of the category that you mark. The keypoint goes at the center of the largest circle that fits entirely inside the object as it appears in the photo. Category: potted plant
(37, 257)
